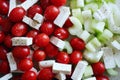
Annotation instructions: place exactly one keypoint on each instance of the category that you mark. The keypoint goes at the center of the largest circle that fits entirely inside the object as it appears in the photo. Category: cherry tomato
(44, 4)
(22, 0)
(51, 13)
(42, 40)
(51, 50)
(98, 68)
(77, 44)
(17, 14)
(75, 57)
(25, 64)
(8, 41)
(3, 53)
(33, 10)
(47, 28)
(39, 55)
(4, 7)
(102, 77)
(4, 67)
(61, 33)
(58, 3)
(2, 36)
(29, 75)
(32, 33)
(21, 52)
(68, 23)
(16, 77)
(1, 20)
(19, 29)
(45, 74)
(62, 57)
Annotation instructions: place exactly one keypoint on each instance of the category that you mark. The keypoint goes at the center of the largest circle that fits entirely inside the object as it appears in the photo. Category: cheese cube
(12, 62)
(117, 58)
(39, 18)
(31, 22)
(7, 76)
(116, 45)
(91, 78)
(57, 42)
(62, 16)
(21, 41)
(60, 76)
(28, 3)
(79, 70)
(12, 4)
(64, 68)
(46, 63)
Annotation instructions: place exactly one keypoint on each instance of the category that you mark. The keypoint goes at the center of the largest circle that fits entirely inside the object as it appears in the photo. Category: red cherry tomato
(16, 77)
(77, 44)
(2, 36)
(39, 55)
(25, 64)
(45, 74)
(33, 10)
(32, 33)
(3, 53)
(47, 28)
(102, 78)
(4, 7)
(58, 3)
(29, 75)
(51, 50)
(1, 20)
(75, 57)
(68, 23)
(19, 29)
(44, 4)
(22, 0)
(62, 57)
(21, 52)
(8, 41)
(51, 13)
(42, 40)
(98, 68)
(17, 14)
(61, 33)
(4, 67)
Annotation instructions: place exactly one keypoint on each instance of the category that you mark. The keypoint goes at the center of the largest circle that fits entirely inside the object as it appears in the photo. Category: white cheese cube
(116, 45)
(91, 78)
(12, 5)
(28, 3)
(64, 68)
(46, 63)
(80, 3)
(62, 16)
(60, 76)
(108, 58)
(21, 41)
(12, 62)
(79, 70)
(117, 58)
(57, 42)
(39, 18)
(31, 22)
(7, 76)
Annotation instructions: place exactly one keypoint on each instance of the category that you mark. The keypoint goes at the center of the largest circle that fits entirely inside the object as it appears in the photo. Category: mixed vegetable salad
(59, 39)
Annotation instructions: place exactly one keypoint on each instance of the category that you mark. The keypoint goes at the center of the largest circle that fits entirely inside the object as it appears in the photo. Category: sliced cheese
(117, 57)
(116, 44)
(46, 63)
(60, 76)
(39, 18)
(7, 76)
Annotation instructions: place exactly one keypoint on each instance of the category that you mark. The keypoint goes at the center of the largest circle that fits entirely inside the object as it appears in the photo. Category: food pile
(59, 39)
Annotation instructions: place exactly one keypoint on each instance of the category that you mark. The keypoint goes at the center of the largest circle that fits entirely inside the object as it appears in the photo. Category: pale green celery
(112, 72)
(88, 72)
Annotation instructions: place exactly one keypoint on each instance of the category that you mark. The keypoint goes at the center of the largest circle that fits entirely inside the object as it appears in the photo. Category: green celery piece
(112, 72)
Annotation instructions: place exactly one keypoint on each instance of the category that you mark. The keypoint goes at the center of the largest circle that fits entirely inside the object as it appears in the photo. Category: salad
(59, 39)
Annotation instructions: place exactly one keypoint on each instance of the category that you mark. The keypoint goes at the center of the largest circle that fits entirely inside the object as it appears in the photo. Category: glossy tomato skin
(58, 3)
(17, 14)
(39, 55)
(29, 75)
(61, 33)
(45, 74)
(44, 4)
(3, 53)
(25, 64)
(2, 36)
(33, 10)
(4, 7)
(8, 41)
(47, 28)
(32, 33)
(77, 44)
(51, 13)
(19, 29)
(21, 52)
(42, 40)
(75, 57)
(98, 68)
(4, 67)
(63, 57)
(102, 77)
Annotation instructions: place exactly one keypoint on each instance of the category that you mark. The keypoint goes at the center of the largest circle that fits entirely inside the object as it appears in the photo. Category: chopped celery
(88, 72)
(112, 72)
(92, 6)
